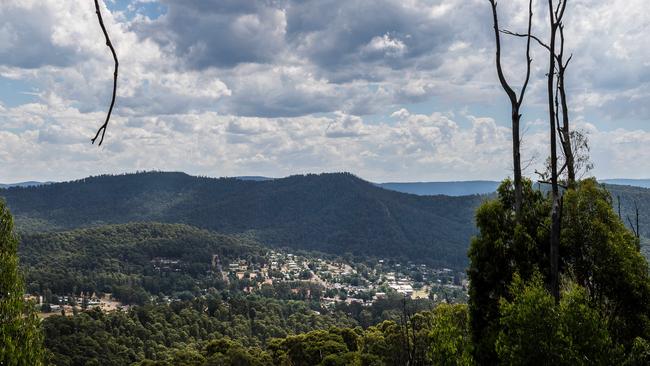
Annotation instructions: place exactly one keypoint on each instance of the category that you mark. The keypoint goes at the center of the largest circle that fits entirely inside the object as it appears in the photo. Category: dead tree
(515, 100)
(102, 128)
(556, 14)
(560, 100)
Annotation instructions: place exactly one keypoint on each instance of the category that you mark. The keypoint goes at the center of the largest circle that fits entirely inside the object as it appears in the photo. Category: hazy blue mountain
(464, 188)
(461, 188)
(23, 184)
(256, 178)
(645, 183)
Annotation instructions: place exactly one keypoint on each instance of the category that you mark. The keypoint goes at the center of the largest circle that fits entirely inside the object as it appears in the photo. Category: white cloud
(279, 87)
(386, 45)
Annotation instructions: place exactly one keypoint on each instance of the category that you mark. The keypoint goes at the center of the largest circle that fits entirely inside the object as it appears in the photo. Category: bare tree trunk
(516, 158)
(555, 18)
(515, 101)
(565, 131)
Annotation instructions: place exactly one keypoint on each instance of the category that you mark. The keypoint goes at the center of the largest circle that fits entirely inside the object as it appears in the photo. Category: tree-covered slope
(630, 195)
(333, 213)
(121, 257)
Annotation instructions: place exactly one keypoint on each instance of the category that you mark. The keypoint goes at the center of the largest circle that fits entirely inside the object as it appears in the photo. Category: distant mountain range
(461, 188)
(451, 188)
(644, 183)
(23, 184)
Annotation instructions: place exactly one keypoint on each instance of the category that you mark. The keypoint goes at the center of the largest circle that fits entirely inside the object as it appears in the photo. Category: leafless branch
(562, 7)
(532, 36)
(526, 164)
(528, 59)
(566, 64)
(542, 176)
(550, 183)
(502, 79)
(102, 129)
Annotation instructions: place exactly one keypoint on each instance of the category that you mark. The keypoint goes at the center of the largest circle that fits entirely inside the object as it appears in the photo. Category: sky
(390, 90)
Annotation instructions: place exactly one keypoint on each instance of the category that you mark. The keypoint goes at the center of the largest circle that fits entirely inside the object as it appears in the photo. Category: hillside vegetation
(119, 259)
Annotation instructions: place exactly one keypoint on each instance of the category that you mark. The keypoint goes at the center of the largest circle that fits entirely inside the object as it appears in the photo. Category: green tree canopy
(21, 340)
(597, 252)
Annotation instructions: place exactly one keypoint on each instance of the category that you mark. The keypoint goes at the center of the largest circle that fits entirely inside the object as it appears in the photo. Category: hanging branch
(102, 129)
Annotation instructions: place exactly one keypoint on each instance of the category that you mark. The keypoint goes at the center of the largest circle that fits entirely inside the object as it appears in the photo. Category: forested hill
(108, 257)
(332, 213)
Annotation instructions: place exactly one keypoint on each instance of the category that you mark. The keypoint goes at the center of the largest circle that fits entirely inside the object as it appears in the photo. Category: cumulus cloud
(34, 35)
(218, 33)
(385, 46)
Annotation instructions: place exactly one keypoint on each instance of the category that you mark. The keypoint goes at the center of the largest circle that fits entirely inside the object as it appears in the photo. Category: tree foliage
(21, 341)
(217, 332)
(536, 330)
(597, 252)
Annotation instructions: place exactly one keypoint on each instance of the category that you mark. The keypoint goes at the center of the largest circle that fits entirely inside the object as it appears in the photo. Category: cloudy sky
(391, 90)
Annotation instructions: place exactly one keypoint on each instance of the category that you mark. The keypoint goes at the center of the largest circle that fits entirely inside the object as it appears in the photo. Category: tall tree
(515, 100)
(21, 341)
(556, 14)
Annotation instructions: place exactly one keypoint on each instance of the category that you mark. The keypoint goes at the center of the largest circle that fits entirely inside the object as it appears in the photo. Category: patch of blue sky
(15, 92)
(130, 8)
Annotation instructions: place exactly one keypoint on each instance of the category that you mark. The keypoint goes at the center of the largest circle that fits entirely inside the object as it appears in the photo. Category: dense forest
(332, 213)
(118, 259)
(225, 330)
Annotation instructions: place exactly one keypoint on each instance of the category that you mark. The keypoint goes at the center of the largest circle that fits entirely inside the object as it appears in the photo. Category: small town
(343, 281)
(328, 281)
